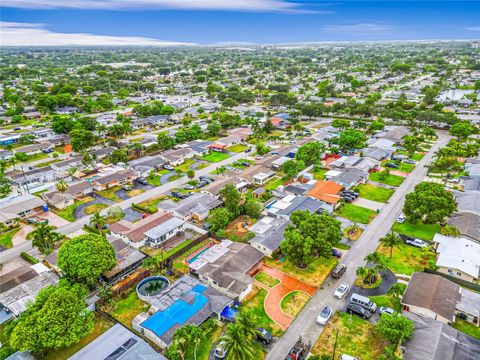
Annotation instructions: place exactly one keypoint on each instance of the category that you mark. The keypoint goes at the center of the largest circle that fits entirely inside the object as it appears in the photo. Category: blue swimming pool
(195, 258)
(271, 204)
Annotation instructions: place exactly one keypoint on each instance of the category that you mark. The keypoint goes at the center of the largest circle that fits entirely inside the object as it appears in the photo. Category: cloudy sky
(179, 22)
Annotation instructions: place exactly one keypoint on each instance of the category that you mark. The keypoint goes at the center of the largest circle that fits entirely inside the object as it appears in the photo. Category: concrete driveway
(78, 212)
(369, 204)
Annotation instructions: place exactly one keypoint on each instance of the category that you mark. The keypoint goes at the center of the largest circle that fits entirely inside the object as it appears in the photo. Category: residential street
(304, 324)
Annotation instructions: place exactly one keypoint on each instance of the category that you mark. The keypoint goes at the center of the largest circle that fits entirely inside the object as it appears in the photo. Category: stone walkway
(275, 294)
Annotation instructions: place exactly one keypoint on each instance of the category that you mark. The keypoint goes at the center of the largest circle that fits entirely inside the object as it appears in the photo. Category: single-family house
(36, 148)
(32, 178)
(117, 178)
(144, 165)
(200, 147)
(268, 234)
(467, 223)
(176, 157)
(66, 165)
(157, 236)
(20, 206)
(349, 178)
(326, 191)
(195, 207)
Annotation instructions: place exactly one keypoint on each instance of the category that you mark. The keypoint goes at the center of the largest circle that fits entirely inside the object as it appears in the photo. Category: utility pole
(336, 337)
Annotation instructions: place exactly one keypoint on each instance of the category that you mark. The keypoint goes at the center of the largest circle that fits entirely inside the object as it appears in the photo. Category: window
(459, 273)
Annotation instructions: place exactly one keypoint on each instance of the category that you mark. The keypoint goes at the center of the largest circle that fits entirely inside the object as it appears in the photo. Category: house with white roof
(458, 257)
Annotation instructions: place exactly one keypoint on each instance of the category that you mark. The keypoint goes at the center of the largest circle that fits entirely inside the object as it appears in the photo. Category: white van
(364, 302)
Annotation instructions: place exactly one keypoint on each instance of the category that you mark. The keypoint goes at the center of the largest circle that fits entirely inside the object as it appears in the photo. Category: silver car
(324, 315)
(341, 290)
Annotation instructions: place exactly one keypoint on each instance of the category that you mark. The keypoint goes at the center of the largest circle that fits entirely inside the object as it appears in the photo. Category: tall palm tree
(44, 238)
(237, 345)
(13, 161)
(97, 221)
(62, 186)
(248, 322)
(221, 170)
(390, 240)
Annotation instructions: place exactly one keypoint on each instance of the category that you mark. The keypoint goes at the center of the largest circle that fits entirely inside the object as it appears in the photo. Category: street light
(336, 337)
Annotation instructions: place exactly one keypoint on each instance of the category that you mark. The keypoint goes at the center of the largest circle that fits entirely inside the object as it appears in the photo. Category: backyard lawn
(392, 180)
(215, 157)
(406, 259)
(125, 309)
(238, 148)
(293, 302)
(102, 324)
(467, 328)
(319, 174)
(419, 230)
(374, 193)
(356, 337)
(154, 252)
(254, 303)
(273, 183)
(6, 238)
(67, 213)
(316, 273)
(356, 213)
(266, 279)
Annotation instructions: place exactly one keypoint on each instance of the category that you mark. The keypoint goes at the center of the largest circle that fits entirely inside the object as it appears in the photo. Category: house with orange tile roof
(326, 191)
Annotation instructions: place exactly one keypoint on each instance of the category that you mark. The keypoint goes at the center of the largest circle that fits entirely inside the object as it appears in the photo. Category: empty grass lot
(316, 273)
(356, 337)
(254, 303)
(237, 148)
(418, 230)
(215, 157)
(273, 183)
(405, 259)
(374, 193)
(266, 279)
(392, 180)
(293, 302)
(356, 213)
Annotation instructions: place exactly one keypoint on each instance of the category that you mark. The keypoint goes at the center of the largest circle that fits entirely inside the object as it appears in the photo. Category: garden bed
(266, 279)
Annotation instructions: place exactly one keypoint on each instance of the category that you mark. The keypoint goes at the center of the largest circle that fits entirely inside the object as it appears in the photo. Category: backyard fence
(461, 282)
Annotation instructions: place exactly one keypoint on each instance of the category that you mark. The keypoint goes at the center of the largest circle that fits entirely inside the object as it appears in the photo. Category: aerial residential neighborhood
(274, 200)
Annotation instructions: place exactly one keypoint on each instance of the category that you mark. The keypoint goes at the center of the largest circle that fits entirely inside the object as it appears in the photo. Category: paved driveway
(275, 294)
(369, 204)
(131, 214)
(388, 279)
(78, 212)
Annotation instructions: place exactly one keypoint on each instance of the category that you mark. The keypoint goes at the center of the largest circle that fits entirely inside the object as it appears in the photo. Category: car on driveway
(336, 253)
(324, 315)
(188, 187)
(168, 167)
(386, 310)
(417, 243)
(177, 195)
(391, 165)
(220, 351)
(142, 181)
(264, 336)
(341, 290)
(358, 310)
(126, 187)
(410, 161)
(401, 218)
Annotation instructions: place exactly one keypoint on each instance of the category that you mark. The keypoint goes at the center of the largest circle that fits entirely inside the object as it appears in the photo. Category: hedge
(28, 258)
(146, 209)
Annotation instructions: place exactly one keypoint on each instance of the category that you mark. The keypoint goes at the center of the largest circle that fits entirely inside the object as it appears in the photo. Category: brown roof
(326, 191)
(136, 231)
(433, 292)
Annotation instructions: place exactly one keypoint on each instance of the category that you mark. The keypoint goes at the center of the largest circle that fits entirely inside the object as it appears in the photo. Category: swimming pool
(195, 258)
(271, 204)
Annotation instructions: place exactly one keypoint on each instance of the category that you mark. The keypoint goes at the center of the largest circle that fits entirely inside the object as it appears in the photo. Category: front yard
(316, 273)
(67, 213)
(293, 302)
(406, 259)
(418, 230)
(6, 238)
(215, 157)
(374, 193)
(356, 337)
(356, 213)
(273, 183)
(238, 148)
(266, 279)
(392, 180)
(110, 193)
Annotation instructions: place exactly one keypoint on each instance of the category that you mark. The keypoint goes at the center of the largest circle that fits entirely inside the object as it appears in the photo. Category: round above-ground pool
(151, 286)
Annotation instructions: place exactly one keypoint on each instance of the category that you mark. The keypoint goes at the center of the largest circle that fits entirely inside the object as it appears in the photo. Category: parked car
(324, 315)
(47, 151)
(177, 195)
(220, 351)
(386, 310)
(246, 164)
(351, 193)
(258, 157)
(201, 184)
(391, 165)
(401, 218)
(37, 220)
(188, 187)
(248, 150)
(364, 302)
(410, 161)
(347, 357)
(358, 310)
(348, 199)
(341, 290)
(264, 336)
(142, 181)
(339, 271)
(168, 167)
(336, 253)
(126, 187)
(417, 242)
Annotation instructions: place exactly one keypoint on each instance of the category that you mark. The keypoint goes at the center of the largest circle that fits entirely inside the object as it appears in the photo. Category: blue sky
(150, 22)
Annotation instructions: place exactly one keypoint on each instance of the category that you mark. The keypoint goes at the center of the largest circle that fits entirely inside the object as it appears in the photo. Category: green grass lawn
(154, 252)
(293, 302)
(67, 213)
(215, 157)
(392, 180)
(125, 309)
(46, 163)
(59, 149)
(273, 183)
(374, 193)
(91, 209)
(102, 324)
(179, 262)
(153, 203)
(255, 304)
(467, 328)
(319, 174)
(6, 238)
(356, 213)
(238, 148)
(203, 349)
(405, 259)
(110, 193)
(418, 230)
(388, 301)
(405, 167)
(35, 157)
(316, 273)
(185, 166)
(266, 279)
(356, 337)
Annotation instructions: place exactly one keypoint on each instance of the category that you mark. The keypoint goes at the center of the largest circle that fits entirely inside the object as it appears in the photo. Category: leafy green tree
(376, 126)
(85, 257)
(310, 153)
(341, 124)
(5, 185)
(219, 218)
(118, 156)
(262, 149)
(253, 209)
(231, 198)
(351, 139)
(213, 128)
(391, 240)
(449, 230)
(297, 248)
(44, 238)
(374, 266)
(221, 170)
(56, 319)
(248, 323)
(429, 202)
(97, 221)
(81, 139)
(462, 130)
(396, 290)
(411, 143)
(395, 328)
(291, 168)
(238, 346)
(191, 174)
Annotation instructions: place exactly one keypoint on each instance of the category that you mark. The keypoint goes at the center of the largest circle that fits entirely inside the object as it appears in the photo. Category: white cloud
(473, 28)
(234, 5)
(33, 34)
(358, 29)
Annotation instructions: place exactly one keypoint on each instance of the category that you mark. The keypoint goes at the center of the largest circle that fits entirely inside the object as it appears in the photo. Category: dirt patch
(239, 227)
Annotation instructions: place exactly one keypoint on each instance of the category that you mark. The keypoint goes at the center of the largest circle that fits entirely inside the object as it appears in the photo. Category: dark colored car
(248, 150)
(348, 199)
(47, 151)
(264, 336)
(142, 181)
(391, 165)
(336, 253)
(350, 193)
(245, 164)
(177, 195)
(339, 271)
(358, 310)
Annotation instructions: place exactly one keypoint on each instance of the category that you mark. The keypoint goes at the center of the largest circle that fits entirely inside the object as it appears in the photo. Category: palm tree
(248, 322)
(183, 337)
(221, 170)
(62, 186)
(237, 345)
(390, 240)
(13, 161)
(43, 237)
(191, 174)
(97, 221)
(396, 290)
(374, 266)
